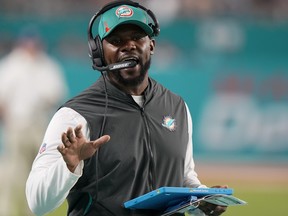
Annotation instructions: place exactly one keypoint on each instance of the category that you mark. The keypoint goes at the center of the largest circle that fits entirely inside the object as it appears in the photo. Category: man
(149, 131)
(27, 102)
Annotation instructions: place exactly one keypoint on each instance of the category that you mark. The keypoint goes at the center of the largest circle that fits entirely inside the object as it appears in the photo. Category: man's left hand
(212, 209)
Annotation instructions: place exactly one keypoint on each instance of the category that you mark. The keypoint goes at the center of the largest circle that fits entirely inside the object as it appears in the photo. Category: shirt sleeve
(50, 180)
(190, 176)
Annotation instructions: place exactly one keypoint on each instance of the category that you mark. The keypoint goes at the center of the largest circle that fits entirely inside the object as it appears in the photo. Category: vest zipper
(151, 155)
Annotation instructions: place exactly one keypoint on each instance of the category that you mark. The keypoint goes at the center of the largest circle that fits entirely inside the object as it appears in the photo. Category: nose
(128, 45)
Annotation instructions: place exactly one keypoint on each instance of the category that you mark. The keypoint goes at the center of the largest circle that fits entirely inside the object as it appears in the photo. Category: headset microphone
(117, 66)
(122, 65)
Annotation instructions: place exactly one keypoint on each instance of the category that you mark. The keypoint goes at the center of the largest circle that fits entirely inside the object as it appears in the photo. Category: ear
(152, 46)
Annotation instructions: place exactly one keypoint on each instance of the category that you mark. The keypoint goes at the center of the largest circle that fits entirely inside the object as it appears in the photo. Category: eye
(138, 36)
(116, 41)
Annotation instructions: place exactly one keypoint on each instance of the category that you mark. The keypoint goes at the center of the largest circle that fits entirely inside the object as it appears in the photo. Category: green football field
(261, 201)
(270, 201)
(265, 189)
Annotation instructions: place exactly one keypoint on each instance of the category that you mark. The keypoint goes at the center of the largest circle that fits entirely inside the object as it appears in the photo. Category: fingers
(211, 209)
(78, 131)
(103, 139)
(61, 149)
(220, 186)
(74, 143)
(64, 138)
(220, 209)
(70, 136)
(217, 211)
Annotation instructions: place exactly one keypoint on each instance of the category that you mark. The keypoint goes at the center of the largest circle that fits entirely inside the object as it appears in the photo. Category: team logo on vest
(169, 123)
(124, 11)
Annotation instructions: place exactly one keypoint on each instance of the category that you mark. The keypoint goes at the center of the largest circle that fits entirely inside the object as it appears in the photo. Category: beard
(135, 81)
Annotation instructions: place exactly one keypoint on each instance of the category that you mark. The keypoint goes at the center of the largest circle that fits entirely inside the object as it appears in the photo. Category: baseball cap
(123, 14)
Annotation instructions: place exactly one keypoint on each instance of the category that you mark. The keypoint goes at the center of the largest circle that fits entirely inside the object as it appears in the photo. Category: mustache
(138, 80)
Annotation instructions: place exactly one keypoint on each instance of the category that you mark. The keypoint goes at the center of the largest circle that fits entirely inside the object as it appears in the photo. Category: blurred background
(228, 59)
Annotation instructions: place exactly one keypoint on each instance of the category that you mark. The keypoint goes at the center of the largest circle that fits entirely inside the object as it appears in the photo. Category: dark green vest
(147, 148)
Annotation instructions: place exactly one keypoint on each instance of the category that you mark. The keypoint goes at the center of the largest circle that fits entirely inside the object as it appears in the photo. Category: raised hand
(75, 147)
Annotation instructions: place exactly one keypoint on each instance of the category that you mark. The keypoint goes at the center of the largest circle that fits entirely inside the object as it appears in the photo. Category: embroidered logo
(106, 27)
(169, 123)
(124, 11)
(42, 148)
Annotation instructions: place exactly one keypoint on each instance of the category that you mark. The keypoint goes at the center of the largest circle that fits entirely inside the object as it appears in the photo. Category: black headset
(95, 44)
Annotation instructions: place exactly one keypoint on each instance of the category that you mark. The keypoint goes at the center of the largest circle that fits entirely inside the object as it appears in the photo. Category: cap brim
(147, 29)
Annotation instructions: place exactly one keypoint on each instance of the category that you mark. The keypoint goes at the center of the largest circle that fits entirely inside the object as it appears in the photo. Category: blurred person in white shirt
(32, 85)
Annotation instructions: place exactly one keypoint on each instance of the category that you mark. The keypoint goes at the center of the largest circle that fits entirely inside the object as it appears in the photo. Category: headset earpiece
(99, 54)
(95, 44)
(96, 52)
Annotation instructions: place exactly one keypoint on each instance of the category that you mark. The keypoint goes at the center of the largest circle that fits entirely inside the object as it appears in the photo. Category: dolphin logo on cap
(124, 11)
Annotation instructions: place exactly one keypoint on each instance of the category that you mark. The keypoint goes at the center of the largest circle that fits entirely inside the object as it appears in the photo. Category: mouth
(124, 63)
(133, 59)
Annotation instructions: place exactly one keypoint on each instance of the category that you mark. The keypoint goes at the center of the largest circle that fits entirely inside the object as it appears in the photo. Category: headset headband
(155, 26)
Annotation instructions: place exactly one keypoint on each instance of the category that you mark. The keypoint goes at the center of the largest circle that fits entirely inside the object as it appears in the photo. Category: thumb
(100, 141)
